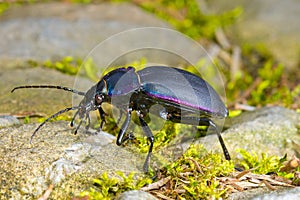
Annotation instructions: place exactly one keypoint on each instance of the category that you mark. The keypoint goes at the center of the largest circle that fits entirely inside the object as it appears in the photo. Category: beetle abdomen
(183, 88)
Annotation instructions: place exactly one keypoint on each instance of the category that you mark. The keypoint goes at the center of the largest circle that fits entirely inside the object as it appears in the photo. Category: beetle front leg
(124, 128)
(102, 117)
(73, 119)
(150, 137)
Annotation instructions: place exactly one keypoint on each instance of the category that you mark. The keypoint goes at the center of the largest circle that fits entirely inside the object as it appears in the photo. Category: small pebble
(136, 195)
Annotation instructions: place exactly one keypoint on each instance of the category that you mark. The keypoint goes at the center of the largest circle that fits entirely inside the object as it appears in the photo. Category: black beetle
(184, 98)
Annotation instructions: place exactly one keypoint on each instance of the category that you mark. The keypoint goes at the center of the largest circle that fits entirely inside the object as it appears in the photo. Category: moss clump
(264, 164)
(193, 176)
(269, 87)
(107, 187)
(187, 17)
(260, 164)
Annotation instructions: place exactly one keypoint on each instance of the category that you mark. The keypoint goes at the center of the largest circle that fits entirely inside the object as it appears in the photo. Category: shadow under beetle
(184, 98)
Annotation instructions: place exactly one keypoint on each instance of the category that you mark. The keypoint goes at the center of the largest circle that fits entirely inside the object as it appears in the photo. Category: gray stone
(51, 30)
(270, 130)
(7, 120)
(58, 157)
(135, 195)
(287, 194)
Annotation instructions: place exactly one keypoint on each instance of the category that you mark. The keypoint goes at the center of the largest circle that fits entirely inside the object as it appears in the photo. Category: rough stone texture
(135, 195)
(7, 120)
(39, 101)
(57, 156)
(47, 31)
(269, 130)
(281, 195)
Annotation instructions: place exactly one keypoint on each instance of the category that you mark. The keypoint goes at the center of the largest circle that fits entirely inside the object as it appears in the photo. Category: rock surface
(270, 130)
(46, 31)
(56, 157)
(135, 195)
(7, 120)
(68, 161)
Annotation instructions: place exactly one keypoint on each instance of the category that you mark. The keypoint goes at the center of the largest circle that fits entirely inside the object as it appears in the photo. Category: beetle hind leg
(208, 122)
(225, 150)
(201, 121)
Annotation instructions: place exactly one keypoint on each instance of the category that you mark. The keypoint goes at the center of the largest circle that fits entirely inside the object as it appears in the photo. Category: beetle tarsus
(102, 117)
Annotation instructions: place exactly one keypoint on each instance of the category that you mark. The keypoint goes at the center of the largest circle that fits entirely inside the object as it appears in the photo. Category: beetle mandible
(131, 90)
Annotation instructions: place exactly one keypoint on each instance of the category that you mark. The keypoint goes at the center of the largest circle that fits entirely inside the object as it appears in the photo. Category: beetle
(184, 98)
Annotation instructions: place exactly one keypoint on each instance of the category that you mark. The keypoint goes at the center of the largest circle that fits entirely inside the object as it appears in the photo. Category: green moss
(184, 175)
(262, 164)
(187, 17)
(196, 173)
(270, 87)
(67, 65)
(193, 176)
(107, 187)
(3, 7)
(26, 120)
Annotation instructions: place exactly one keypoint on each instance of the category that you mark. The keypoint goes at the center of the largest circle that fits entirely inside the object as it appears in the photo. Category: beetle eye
(98, 99)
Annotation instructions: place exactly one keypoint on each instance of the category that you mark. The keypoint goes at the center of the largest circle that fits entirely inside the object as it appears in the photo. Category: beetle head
(92, 100)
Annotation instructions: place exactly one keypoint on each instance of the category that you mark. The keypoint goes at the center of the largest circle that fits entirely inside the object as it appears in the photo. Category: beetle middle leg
(102, 117)
(120, 138)
(150, 137)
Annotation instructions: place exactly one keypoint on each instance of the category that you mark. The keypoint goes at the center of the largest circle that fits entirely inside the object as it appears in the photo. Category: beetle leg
(120, 117)
(129, 136)
(75, 132)
(208, 122)
(150, 137)
(124, 128)
(201, 122)
(73, 119)
(88, 118)
(102, 116)
(225, 151)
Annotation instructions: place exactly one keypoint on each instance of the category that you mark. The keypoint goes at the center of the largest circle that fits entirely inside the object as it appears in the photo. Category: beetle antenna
(51, 117)
(50, 86)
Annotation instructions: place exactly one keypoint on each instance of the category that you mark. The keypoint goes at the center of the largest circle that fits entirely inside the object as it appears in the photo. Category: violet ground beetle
(184, 98)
